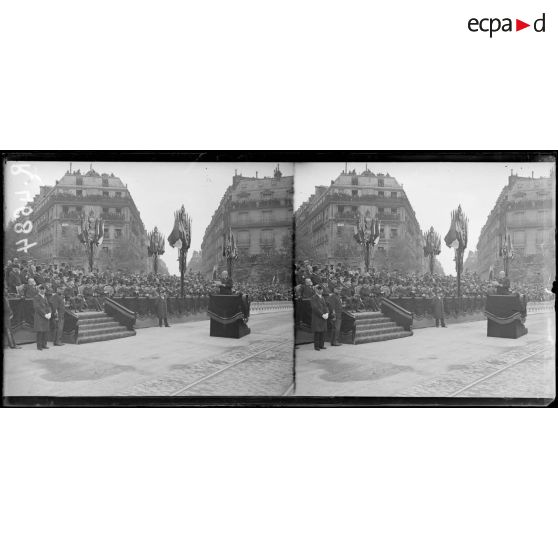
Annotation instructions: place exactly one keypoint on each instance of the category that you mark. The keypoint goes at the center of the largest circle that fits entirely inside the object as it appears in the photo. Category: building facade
(325, 222)
(526, 209)
(56, 217)
(260, 214)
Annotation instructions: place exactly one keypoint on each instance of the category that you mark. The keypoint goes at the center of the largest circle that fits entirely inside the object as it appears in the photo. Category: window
(65, 209)
(381, 194)
(266, 216)
(118, 194)
(243, 238)
(394, 210)
(106, 233)
(381, 182)
(119, 211)
(117, 233)
(382, 232)
(267, 194)
(355, 193)
(105, 181)
(393, 194)
(518, 217)
(266, 238)
(243, 218)
(519, 238)
(65, 230)
(340, 229)
(394, 233)
(79, 181)
(105, 194)
(381, 211)
(79, 208)
(79, 193)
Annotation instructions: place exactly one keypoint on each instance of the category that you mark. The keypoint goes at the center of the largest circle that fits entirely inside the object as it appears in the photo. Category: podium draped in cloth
(506, 316)
(228, 315)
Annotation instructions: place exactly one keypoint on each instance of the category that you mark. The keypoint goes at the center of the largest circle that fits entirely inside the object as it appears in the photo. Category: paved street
(435, 362)
(180, 360)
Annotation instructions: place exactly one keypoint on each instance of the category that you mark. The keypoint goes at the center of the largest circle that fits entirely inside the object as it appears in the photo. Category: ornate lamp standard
(432, 247)
(366, 233)
(506, 251)
(230, 252)
(156, 247)
(457, 239)
(91, 232)
(181, 237)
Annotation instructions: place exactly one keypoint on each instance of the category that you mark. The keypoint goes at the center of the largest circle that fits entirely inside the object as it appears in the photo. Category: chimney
(256, 174)
(532, 174)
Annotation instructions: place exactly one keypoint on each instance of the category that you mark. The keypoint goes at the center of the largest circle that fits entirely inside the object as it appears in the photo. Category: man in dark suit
(58, 310)
(335, 313)
(225, 285)
(319, 318)
(42, 318)
(503, 287)
(161, 308)
(438, 308)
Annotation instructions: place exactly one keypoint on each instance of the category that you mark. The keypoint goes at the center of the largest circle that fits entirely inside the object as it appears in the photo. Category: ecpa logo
(493, 25)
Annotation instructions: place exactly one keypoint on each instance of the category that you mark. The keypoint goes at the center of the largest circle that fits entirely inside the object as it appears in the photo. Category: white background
(276, 482)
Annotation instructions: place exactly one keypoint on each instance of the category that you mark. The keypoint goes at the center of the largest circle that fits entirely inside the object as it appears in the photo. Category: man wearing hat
(42, 318)
(319, 318)
(335, 313)
(438, 309)
(161, 308)
(58, 309)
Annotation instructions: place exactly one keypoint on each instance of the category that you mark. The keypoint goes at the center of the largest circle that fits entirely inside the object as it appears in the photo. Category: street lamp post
(432, 247)
(156, 247)
(367, 233)
(181, 237)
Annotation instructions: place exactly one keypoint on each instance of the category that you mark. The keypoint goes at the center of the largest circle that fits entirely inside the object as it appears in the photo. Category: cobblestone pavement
(506, 384)
(161, 361)
(436, 362)
(255, 370)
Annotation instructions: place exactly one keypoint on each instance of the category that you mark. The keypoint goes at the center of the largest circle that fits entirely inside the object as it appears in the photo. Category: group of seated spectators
(359, 290)
(85, 290)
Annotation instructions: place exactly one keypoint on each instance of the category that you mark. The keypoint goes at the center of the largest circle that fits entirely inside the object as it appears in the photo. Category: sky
(433, 189)
(158, 189)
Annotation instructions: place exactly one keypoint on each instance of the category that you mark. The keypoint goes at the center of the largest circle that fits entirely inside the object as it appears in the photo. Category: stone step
(102, 328)
(383, 337)
(96, 321)
(365, 315)
(367, 321)
(90, 314)
(105, 336)
(360, 332)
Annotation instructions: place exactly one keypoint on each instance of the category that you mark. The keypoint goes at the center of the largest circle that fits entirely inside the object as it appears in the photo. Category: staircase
(374, 326)
(98, 326)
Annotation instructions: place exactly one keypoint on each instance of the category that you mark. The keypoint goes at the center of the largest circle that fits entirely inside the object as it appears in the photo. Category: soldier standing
(42, 318)
(319, 318)
(335, 314)
(438, 308)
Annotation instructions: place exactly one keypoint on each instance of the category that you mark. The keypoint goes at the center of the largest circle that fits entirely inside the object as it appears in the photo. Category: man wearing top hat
(42, 318)
(320, 315)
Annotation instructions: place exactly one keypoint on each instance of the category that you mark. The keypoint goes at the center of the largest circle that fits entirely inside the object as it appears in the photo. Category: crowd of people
(359, 289)
(85, 290)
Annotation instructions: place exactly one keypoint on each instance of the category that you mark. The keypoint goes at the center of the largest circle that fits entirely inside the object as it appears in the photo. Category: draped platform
(228, 315)
(506, 316)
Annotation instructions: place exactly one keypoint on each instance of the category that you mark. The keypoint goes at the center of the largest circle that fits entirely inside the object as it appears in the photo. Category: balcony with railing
(112, 216)
(278, 222)
(262, 203)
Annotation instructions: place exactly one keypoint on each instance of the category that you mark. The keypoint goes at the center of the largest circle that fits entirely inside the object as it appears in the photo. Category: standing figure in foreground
(438, 308)
(335, 313)
(58, 309)
(42, 318)
(161, 307)
(319, 318)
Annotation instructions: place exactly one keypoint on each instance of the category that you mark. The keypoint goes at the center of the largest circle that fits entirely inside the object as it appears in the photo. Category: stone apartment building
(526, 208)
(325, 222)
(260, 214)
(56, 217)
